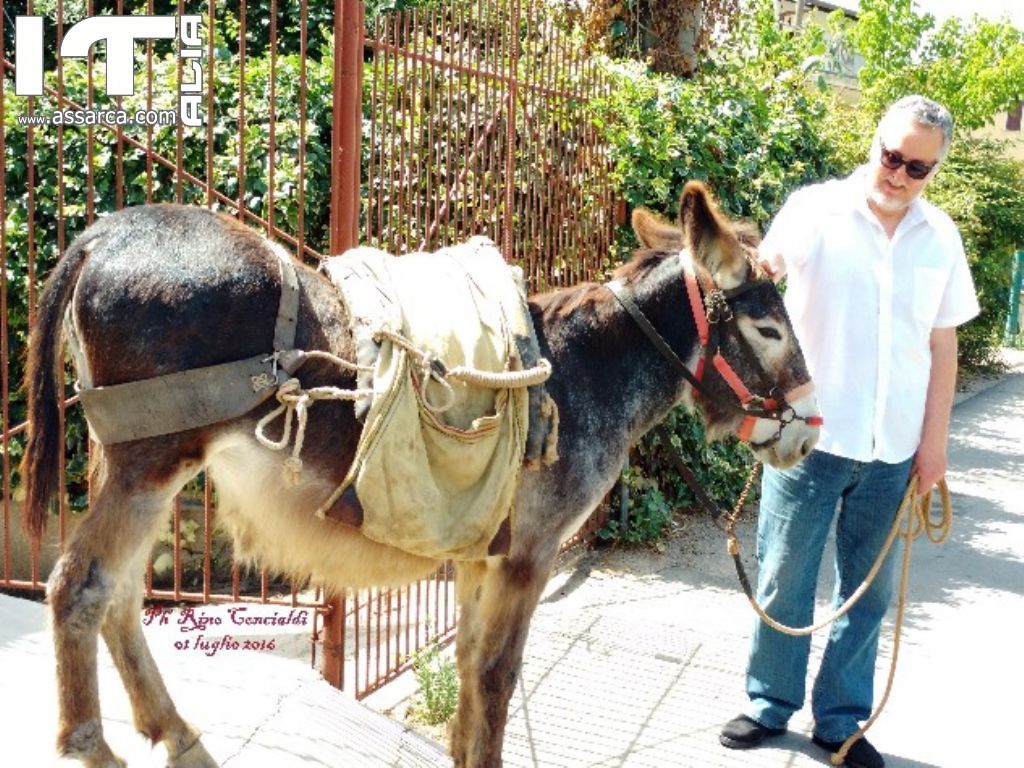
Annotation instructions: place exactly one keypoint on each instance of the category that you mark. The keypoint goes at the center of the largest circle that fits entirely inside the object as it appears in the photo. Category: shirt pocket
(929, 287)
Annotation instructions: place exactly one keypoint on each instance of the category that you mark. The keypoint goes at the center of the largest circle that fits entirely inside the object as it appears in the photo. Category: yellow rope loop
(538, 374)
(428, 373)
(529, 377)
(285, 408)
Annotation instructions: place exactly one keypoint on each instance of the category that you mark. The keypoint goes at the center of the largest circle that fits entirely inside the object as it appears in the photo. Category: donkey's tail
(39, 465)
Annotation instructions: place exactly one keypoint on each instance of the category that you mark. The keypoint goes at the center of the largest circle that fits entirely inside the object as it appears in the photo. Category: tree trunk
(675, 27)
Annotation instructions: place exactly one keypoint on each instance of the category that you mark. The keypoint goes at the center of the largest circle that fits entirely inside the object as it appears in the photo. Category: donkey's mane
(564, 301)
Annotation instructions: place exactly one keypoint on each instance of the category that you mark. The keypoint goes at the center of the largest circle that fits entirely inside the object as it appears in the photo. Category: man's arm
(930, 460)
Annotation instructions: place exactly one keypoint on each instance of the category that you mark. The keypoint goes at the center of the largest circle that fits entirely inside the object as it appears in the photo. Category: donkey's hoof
(85, 744)
(195, 756)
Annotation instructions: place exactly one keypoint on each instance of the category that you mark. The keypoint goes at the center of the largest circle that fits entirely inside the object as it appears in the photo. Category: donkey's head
(752, 380)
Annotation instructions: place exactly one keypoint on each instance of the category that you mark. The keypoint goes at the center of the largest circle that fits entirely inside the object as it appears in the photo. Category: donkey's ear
(710, 236)
(656, 234)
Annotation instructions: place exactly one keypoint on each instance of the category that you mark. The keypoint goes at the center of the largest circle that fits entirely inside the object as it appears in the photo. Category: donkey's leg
(154, 713)
(497, 599)
(126, 513)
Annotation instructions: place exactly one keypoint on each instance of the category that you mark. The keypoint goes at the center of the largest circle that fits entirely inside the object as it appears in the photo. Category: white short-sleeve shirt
(863, 307)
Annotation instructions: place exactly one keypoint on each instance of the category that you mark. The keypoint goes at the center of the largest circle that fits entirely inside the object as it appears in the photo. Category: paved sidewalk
(256, 709)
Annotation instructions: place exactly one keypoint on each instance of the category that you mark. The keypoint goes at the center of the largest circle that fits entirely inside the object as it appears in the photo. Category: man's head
(910, 142)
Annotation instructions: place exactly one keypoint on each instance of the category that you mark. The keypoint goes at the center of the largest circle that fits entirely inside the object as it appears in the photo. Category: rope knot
(292, 471)
(294, 404)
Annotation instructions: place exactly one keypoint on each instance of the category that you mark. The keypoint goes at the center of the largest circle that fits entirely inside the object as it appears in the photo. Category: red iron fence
(427, 128)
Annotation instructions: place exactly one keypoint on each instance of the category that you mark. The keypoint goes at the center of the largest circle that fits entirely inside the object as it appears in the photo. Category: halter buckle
(717, 307)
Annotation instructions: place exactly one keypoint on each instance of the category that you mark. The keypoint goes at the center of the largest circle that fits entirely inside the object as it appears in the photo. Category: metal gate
(474, 124)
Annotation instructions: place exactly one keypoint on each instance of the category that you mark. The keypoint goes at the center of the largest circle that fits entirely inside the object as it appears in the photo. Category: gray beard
(885, 202)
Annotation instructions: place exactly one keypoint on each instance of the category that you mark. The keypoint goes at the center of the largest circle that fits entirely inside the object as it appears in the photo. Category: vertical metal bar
(387, 630)
(5, 382)
(30, 215)
(575, 188)
(61, 416)
(300, 235)
(420, 623)
(119, 145)
(461, 193)
(538, 111)
(451, 163)
(510, 137)
(384, 178)
(564, 257)
(346, 124)
(345, 144)
(342, 634)
(369, 627)
(414, 122)
(372, 198)
(408, 623)
(447, 607)
(272, 110)
(403, 112)
(433, 182)
(475, 198)
(394, 176)
(149, 128)
(210, 79)
(90, 184)
(241, 110)
(493, 61)
(333, 665)
(177, 547)
(179, 146)
(207, 530)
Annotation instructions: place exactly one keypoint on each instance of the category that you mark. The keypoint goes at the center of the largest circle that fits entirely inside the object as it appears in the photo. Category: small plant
(439, 686)
(649, 512)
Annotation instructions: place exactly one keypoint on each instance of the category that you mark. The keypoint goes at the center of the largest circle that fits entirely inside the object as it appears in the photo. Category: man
(878, 282)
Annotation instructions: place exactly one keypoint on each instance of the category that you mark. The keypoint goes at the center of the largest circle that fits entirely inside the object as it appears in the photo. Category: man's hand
(929, 465)
(774, 266)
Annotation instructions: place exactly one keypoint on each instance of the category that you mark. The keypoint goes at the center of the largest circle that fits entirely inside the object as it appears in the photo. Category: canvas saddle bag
(440, 454)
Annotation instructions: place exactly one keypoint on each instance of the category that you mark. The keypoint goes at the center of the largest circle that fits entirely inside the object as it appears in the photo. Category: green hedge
(756, 123)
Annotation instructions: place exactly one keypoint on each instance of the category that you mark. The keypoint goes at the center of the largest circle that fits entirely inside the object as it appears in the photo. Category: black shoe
(745, 732)
(861, 754)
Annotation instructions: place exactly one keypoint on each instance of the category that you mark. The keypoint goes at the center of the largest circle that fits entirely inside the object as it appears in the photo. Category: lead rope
(912, 518)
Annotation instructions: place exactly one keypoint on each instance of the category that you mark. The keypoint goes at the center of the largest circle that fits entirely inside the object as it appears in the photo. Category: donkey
(162, 288)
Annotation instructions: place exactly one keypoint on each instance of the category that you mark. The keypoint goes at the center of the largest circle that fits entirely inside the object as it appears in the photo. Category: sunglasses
(916, 169)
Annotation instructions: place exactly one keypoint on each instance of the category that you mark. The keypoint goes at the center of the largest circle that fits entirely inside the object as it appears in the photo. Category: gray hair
(922, 111)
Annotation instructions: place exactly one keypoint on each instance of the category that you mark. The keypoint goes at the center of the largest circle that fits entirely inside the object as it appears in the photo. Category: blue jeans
(797, 508)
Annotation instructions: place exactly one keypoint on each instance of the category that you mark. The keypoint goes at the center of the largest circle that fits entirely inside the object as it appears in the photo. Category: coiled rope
(913, 517)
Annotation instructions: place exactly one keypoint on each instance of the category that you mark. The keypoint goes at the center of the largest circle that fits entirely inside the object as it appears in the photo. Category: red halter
(700, 319)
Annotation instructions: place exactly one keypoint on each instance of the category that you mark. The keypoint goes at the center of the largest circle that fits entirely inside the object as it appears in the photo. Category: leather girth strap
(198, 397)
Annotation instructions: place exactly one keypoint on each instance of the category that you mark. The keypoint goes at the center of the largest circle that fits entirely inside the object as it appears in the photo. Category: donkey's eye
(768, 332)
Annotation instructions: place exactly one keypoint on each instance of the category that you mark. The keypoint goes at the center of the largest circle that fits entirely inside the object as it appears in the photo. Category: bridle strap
(618, 291)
